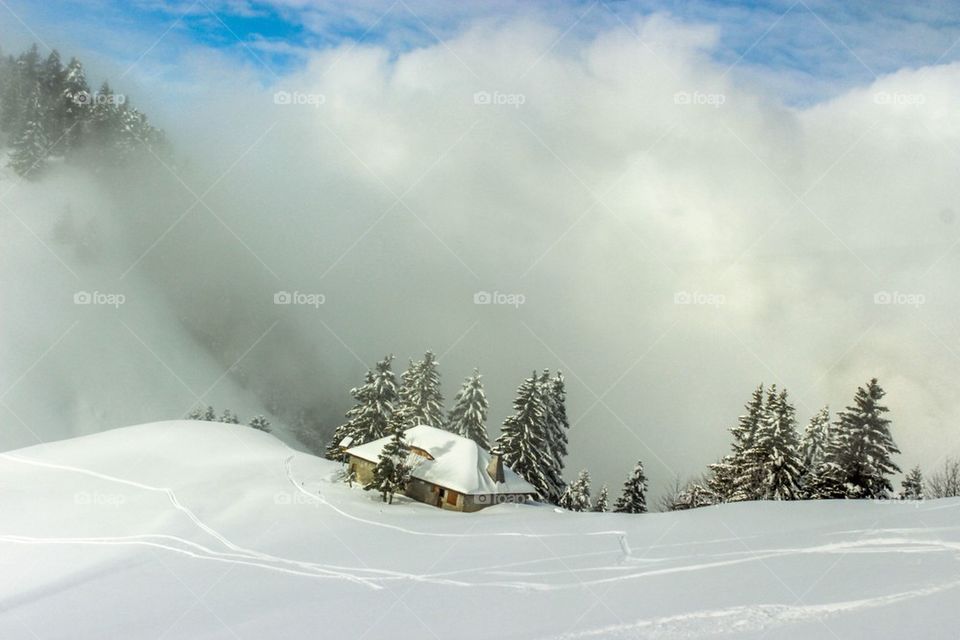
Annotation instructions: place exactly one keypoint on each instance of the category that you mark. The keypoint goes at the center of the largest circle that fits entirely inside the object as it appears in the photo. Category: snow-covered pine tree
(776, 450)
(469, 414)
(260, 423)
(720, 478)
(50, 78)
(354, 416)
(229, 417)
(814, 439)
(105, 122)
(13, 98)
(135, 135)
(813, 445)
(556, 425)
(576, 497)
(369, 418)
(634, 496)
(75, 106)
(22, 79)
(392, 472)
(210, 415)
(196, 414)
(693, 496)
(859, 450)
(912, 485)
(421, 401)
(521, 441)
(602, 503)
(731, 480)
(31, 149)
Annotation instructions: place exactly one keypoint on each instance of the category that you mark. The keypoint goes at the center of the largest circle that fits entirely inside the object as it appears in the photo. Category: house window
(452, 497)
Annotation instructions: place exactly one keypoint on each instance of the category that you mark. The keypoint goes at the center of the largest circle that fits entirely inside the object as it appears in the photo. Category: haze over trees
(48, 112)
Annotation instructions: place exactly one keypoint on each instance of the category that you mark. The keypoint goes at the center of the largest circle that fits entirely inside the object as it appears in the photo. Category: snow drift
(205, 530)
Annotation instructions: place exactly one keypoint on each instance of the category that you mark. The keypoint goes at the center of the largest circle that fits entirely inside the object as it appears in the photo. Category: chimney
(495, 468)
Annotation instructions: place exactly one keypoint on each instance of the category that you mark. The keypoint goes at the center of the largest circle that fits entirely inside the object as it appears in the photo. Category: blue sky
(811, 49)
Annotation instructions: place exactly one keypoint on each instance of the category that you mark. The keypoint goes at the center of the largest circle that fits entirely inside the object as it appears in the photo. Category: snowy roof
(458, 463)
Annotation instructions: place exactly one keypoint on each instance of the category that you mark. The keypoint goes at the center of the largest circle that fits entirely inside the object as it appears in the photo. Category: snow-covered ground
(201, 530)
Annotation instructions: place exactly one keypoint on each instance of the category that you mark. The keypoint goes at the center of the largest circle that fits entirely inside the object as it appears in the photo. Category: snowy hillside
(205, 530)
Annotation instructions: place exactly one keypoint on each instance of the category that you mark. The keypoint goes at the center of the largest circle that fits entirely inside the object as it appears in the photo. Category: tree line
(850, 456)
(47, 110)
(533, 439)
(209, 414)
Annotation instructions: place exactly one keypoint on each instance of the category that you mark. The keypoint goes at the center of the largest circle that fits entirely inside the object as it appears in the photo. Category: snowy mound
(206, 530)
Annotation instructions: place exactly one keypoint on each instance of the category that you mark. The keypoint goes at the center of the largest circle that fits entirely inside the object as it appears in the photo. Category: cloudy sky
(673, 202)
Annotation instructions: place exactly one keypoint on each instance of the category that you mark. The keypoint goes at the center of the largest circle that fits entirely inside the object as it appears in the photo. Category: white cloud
(631, 170)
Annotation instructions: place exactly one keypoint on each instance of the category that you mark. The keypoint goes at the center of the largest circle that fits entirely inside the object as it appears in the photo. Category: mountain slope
(206, 530)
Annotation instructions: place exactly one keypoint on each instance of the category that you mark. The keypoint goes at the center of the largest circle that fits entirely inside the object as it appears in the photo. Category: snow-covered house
(449, 471)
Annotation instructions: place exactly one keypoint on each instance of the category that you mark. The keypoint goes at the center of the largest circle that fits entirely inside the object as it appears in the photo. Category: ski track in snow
(241, 555)
(374, 578)
(741, 619)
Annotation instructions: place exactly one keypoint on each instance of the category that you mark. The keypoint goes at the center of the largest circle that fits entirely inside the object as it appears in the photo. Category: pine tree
(731, 478)
(576, 497)
(32, 148)
(521, 441)
(370, 417)
(135, 135)
(421, 401)
(693, 496)
(555, 432)
(813, 445)
(469, 414)
(50, 78)
(105, 122)
(228, 417)
(392, 472)
(75, 102)
(260, 423)
(814, 439)
(18, 92)
(721, 479)
(912, 486)
(857, 460)
(602, 502)
(634, 496)
(774, 457)
(13, 99)
(207, 414)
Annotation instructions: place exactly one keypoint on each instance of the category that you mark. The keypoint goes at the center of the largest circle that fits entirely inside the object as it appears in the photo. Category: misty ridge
(403, 207)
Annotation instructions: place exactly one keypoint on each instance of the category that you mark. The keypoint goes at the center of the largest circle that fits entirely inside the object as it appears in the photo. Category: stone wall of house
(363, 469)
